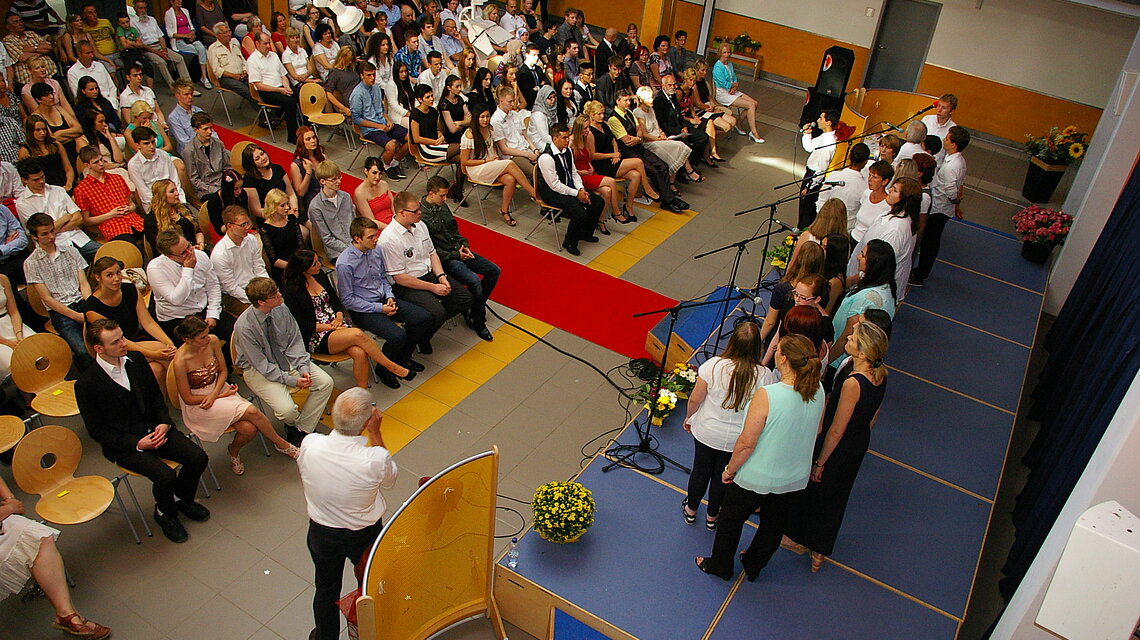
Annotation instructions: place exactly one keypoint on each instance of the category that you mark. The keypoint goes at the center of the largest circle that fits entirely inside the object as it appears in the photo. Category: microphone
(894, 126)
(927, 108)
(834, 183)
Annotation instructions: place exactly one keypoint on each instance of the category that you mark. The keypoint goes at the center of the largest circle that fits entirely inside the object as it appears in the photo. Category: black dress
(818, 510)
(124, 314)
(54, 173)
(604, 143)
(456, 111)
(280, 243)
(150, 230)
(310, 193)
(263, 186)
(214, 208)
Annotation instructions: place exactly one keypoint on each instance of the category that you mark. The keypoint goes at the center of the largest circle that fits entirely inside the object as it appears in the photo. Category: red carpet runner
(573, 297)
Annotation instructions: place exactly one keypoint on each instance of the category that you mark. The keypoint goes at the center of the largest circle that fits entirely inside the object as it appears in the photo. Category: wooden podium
(872, 109)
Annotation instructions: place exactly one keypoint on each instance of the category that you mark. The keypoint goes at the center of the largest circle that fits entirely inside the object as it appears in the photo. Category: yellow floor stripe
(954, 391)
(931, 476)
(892, 589)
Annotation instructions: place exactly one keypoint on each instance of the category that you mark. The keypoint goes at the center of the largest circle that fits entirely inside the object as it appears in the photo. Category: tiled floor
(246, 573)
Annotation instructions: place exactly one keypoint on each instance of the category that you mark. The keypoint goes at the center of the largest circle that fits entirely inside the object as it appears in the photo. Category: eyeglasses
(802, 298)
(416, 210)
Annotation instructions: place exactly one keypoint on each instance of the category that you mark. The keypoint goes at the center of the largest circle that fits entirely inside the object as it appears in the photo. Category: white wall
(1054, 47)
(1112, 474)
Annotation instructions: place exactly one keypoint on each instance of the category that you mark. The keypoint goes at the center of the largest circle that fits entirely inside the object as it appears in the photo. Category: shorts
(382, 138)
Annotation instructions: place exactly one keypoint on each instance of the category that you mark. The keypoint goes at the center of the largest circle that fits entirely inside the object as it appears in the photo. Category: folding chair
(313, 100)
(549, 214)
(219, 94)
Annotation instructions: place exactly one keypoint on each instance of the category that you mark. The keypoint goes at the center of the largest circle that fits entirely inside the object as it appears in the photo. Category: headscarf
(540, 105)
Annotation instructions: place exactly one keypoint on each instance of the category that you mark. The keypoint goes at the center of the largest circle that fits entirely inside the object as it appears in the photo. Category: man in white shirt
(415, 269)
(86, 65)
(946, 198)
(149, 165)
(939, 122)
(853, 184)
(268, 76)
(40, 197)
(151, 35)
(342, 475)
(227, 62)
(509, 132)
(512, 20)
(184, 284)
(820, 149)
(237, 256)
(561, 187)
(434, 76)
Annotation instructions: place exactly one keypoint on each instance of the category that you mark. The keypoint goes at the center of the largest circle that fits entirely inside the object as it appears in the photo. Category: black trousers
(288, 106)
(441, 308)
(656, 168)
(931, 242)
(169, 484)
(739, 504)
(708, 464)
(808, 202)
(330, 547)
(583, 217)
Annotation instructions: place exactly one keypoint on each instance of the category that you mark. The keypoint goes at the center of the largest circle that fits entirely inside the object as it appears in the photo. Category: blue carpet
(980, 302)
(991, 253)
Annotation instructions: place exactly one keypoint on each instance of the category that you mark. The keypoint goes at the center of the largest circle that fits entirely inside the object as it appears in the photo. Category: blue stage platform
(906, 557)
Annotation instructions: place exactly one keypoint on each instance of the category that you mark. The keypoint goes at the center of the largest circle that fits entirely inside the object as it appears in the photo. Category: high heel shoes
(602, 229)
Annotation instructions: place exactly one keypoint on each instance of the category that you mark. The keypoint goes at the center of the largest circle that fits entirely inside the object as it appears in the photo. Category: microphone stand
(626, 454)
(771, 206)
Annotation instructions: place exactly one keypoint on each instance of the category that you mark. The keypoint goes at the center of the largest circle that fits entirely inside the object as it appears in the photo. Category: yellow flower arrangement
(1076, 150)
(780, 255)
(563, 511)
(1057, 146)
(684, 378)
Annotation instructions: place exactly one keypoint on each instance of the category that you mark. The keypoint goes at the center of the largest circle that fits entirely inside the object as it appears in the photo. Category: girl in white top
(898, 228)
(873, 203)
(715, 416)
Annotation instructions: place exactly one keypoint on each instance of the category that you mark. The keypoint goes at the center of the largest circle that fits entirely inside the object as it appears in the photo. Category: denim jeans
(466, 273)
(72, 332)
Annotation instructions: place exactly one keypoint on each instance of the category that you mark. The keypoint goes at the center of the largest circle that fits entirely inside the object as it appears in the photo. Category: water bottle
(513, 554)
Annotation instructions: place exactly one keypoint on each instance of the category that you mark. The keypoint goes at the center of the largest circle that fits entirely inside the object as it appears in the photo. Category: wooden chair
(364, 142)
(219, 94)
(423, 164)
(44, 464)
(12, 429)
(489, 186)
(176, 401)
(206, 226)
(37, 305)
(235, 156)
(493, 63)
(313, 101)
(122, 251)
(264, 109)
(39, 364)
(319, 246)
(549, 213)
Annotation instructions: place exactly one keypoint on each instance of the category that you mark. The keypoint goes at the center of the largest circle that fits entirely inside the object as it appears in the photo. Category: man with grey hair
(342, 475)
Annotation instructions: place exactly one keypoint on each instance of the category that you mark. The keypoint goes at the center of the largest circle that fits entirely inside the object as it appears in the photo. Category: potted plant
(1041, 229)
(778, 257)
(563, 511)
(745, 43)
(683, 378)
(1049, 155)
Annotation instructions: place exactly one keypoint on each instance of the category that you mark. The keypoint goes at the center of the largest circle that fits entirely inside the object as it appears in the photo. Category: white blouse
(713, 425)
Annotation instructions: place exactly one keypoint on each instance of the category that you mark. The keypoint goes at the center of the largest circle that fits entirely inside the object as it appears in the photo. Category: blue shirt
(180, 128)
(414, 60)
(362, 281)
(723, 75)
(393, 13)
(9, 224)
(367, 103)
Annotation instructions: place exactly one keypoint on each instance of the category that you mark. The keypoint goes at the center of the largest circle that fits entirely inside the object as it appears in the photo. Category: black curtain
(1093, 358)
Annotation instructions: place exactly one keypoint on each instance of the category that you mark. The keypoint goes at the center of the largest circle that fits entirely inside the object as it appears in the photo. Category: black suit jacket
(117, 418)
(668, 114)
(529, 84)
(602, 57)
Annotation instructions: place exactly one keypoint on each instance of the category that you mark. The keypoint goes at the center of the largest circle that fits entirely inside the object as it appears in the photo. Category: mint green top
(781, 461)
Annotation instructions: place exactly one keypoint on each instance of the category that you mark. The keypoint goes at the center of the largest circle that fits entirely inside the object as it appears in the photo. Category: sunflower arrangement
(782, 253)
(563, 511)
(1058, 146)
(1042, 226)
(662, 404)
(684, 378)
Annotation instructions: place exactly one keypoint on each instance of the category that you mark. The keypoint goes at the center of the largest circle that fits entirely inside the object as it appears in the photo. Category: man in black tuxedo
(673, 121)
(531, 75)
(561, 186)
(607, 48)
(123, 408)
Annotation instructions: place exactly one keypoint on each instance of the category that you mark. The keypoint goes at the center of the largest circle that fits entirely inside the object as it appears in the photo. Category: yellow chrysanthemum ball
(1070, 130)
(1076, 149)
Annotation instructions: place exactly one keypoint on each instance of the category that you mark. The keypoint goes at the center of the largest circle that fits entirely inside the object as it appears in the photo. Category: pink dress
(210, 424)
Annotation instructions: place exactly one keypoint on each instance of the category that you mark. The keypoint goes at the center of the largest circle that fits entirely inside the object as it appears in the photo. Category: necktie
(278, 356)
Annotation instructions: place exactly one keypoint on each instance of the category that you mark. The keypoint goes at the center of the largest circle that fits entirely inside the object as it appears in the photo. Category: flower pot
(657, 421)
(566, 541)
(1035, 252)
(1041, 180)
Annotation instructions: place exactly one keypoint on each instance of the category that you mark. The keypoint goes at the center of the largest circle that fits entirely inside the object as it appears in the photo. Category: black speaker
(815, 102)
(835, 71)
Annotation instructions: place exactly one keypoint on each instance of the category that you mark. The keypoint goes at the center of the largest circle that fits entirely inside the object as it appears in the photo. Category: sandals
(816, 561)
(602, 229)
(710, 523)
(794, 547)
(696, 177)
(237, 466)
(702, 565)
(290, 451)
(80, 627)
(626, 217)
(690, 518)
(717, 158)
(508, 218)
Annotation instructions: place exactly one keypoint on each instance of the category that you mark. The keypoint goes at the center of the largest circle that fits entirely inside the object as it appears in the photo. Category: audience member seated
(674, 121)
(728, 91)
(20, 42)
(280, 232)
(434, 77)
(205, 156)
(482, 93)
(125, 411)
(638, 70)
(674, 153)
(369, 112)
(696, 83)
(331, 211)
(899, 228)
(154, 40)
(372, 304)
(236, 257)
(272, 355)
(151, 164)
(415, 268)
(261, 177)
(49, 199)
(400, 95)
(425, 130)
(254, 29)
(324, 327)
(53, 158)
(409, 53)
(623, 126)
(57, 273)
(142, 117)
(232, 193)
(12, 328)
(184, 284)
(97, 133)
(460, 263)
(184, 39)
(508, 130)
(227, 62)
(542, 115)
(302, 171)
(28, 551)
(136, 91)
(86, 65)
(90, 98)
(875, 289)
(531, 76)
(167, 211)
(38, 73)
(454, 111)
(481, 163)
(873, 203)
(118, 298)
(373, 197)
(607, 160)
(268, 76)
(210, 405)
(295, 57)
(604, 186)
(105, 199)
(562, 187)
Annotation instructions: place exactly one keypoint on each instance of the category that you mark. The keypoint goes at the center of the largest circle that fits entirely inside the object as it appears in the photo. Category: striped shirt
(58, 272)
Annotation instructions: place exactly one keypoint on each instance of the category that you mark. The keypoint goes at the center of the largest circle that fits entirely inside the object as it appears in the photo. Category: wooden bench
(757, 61)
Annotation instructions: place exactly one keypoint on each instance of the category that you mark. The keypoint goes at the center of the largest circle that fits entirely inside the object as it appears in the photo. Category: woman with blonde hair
(167, 211)
(604, 186)
(142, 115)
(38, 72)
(771, 461)
(728, 91)
(342, 79)
(248, 43)
(703, 104)
(280, 232)
(672, 152)
(843, 440)
(832, 218)
(715, 416)
(605, 157)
